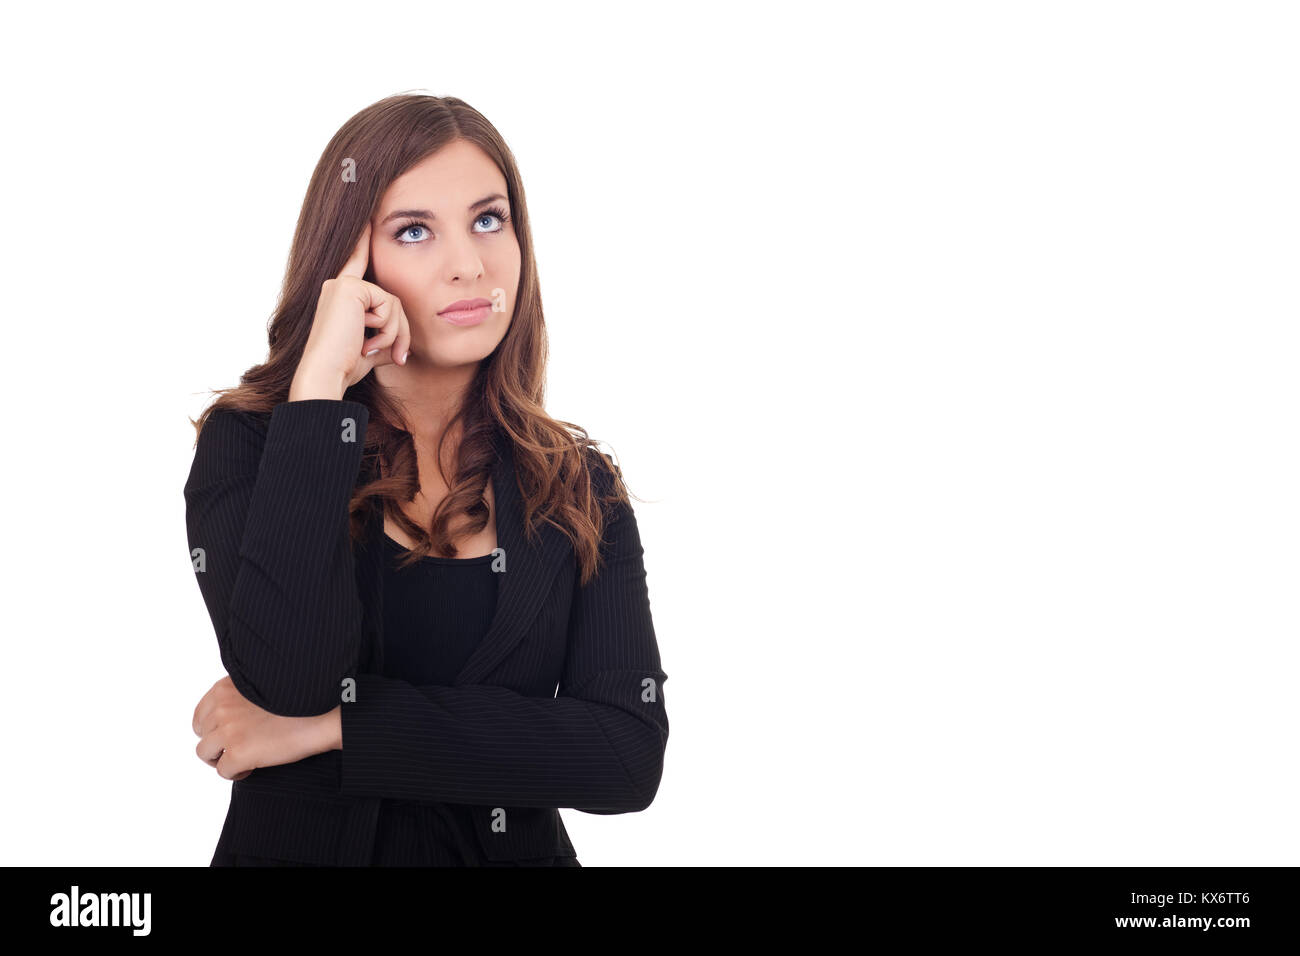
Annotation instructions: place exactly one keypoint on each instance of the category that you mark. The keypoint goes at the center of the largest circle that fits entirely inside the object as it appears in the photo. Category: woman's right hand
(338, 354)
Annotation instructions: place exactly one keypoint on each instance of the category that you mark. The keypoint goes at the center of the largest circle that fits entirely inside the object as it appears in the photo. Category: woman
(429, 596)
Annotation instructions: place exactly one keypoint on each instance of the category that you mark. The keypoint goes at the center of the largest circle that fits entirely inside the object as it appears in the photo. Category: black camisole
(436, 612)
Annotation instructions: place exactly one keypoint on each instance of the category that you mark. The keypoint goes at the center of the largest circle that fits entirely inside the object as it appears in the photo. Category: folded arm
(598, 746)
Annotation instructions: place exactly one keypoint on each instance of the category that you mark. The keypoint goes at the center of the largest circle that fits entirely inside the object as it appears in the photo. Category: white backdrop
(952, 346)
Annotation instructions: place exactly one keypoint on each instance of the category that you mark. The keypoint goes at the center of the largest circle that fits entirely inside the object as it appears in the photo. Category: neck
(428, 396)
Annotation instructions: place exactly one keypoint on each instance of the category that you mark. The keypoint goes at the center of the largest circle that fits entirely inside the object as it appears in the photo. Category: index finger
(360, 258)
(199, 708)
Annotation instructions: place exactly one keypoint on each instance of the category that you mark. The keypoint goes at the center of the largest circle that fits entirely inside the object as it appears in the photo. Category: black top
(436, 612)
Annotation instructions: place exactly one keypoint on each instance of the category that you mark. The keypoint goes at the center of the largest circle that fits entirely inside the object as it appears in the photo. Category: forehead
(446, 181)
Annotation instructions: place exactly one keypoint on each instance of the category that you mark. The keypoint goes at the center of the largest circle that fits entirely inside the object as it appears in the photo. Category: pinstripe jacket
(560, 705)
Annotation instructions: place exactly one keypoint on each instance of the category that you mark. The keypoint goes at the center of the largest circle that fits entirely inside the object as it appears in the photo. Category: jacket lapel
(530, 569)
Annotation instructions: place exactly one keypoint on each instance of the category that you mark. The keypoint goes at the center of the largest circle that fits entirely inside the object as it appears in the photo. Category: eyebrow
(428, 213)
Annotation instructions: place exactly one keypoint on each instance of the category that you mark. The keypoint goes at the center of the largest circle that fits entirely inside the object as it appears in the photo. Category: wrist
(315, 383)
(332, 729)
(314, 735)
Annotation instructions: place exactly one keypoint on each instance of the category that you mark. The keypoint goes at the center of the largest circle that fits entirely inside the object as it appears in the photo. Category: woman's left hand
(236, 737)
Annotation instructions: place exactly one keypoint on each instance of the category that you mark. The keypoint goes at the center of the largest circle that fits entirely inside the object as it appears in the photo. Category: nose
(464, 263)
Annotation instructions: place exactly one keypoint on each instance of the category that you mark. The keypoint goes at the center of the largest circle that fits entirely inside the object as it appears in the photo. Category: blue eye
(405, 229)
(497, 213)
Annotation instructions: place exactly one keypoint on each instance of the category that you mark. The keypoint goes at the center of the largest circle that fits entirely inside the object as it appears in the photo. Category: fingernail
(405, 356)
(372, 352)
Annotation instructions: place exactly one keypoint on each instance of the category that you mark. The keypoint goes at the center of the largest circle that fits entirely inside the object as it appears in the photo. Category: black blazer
(561, 705)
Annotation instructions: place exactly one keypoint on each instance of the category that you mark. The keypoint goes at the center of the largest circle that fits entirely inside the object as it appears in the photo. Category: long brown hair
(563, 477)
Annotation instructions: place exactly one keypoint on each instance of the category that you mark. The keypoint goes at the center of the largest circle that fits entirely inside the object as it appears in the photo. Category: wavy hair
(564, 479)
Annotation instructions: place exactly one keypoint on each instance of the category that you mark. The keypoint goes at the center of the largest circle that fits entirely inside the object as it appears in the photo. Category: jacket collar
(522, 587)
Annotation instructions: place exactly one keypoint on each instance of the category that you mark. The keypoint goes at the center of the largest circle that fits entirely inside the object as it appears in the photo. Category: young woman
(429, 595)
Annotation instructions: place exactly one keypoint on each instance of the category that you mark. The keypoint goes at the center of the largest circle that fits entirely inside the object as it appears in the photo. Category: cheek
(381, 268)
(397, 274)
(505, 270)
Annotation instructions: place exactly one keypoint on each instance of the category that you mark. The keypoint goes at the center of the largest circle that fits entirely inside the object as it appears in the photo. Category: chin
(457, 358)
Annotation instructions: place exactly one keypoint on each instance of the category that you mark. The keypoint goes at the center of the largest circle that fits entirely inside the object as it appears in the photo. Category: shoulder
(604, 473)
(608, 489)
(231, 425)
(230, 442)
(255, 420)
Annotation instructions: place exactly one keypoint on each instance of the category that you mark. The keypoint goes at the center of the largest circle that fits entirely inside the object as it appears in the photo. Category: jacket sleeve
(267, 504)
(598, 746)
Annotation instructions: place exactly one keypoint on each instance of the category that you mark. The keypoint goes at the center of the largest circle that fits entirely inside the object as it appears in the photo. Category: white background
(951, 345)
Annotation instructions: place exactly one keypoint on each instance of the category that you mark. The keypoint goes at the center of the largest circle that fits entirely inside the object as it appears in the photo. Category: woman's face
(443, 234)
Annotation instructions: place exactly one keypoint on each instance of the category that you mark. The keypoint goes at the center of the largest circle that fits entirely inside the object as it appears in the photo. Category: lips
(466, 305)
